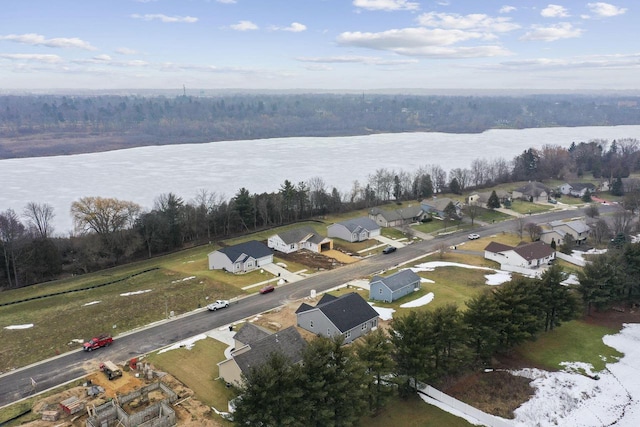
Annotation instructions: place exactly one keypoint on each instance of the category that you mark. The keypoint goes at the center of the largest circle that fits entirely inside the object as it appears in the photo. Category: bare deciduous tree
(39, 217)
(534, 231)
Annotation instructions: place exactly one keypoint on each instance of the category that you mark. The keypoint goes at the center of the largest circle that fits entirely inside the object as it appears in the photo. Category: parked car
(389, 249)
(267, 289)
(221, 303)
(473, 236)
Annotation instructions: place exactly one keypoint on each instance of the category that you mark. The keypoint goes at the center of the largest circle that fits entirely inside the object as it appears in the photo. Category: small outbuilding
(393, 287)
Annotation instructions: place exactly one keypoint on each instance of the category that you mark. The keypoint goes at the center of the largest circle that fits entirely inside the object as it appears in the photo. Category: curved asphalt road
(18, 384)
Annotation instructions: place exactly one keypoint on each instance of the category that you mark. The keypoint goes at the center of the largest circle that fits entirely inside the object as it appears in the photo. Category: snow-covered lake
(142, 174)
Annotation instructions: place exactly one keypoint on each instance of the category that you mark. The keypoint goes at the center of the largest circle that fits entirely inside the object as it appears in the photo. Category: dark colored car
(267, 289)
(389, 249)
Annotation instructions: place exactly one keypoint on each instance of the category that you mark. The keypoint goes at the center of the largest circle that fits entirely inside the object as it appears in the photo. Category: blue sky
(319, 44)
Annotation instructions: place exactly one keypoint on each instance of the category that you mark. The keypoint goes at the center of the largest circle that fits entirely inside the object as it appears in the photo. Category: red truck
(97, 342)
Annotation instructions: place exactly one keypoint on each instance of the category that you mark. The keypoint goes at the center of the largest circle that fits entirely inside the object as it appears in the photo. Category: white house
(528, 255)
(577, 189)
(532, 192)
(241, 258)
(299, 238)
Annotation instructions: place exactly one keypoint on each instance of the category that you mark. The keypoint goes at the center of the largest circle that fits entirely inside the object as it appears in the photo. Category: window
(311, 324)
(364, 326)
(380, 291)
(374, 322)
(347, 334)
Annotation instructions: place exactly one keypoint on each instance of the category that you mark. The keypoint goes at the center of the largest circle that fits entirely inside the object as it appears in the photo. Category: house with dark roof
(354, 230)
(533, 191)
(526, 255)
(299, 238)
(260, 347)
(241, 258)
(438, 205)
(395, 286)
(577, 189)
(397, 217)
(348, 315)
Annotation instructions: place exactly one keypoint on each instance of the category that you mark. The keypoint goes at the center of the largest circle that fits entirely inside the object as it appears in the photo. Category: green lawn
(525, 208)
(571, 342)
(412, 412)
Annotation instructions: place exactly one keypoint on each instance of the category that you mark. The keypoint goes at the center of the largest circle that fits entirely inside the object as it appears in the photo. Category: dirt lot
(313, 260)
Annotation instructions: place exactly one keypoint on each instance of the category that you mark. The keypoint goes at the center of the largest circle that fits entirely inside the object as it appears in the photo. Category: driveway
(389, 242)
(281, 272)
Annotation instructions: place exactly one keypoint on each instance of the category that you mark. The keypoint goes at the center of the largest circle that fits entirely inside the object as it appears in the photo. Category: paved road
(53, 372)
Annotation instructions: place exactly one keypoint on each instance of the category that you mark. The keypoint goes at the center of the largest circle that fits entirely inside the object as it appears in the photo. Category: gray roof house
(557, 230)
(482, 198)
(354, 230)
(241, 258)
(288, 342)
(532, 192)
(577, 189)
(391, 288)
(299, 238)
(348, 315)
(437, 206)
(397, 217)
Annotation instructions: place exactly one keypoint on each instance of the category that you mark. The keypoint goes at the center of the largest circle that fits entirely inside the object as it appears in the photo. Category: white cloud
(357, 60)
(102, 57)
(554, 11)
(474, 21)
(583, 62)
(32, 57)
(563, 30)
(244, 26)
(507, 9)
(605, 9)
(386, 4)
(126, 51)
(40, 40)
(422, 42)
(165, 18)
(295, 27)
(227, 1)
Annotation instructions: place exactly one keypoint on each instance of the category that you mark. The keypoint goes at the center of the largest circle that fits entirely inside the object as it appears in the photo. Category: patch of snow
(383, 313)
(424, 300)
(572, 279)
(126, 294)
(25, 326)
(580, 254)
(423, 280)
(498, 278)
(91, 303)
(188, 343)
(184, 280)
(573, 398)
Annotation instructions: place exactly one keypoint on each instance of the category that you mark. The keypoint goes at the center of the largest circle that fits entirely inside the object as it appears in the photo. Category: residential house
(241, 258)
(526, 255)
(354, 230)
(557, 230)
(396, 286)
(254, 348)
(397, 217)
(348, 315)
(436, 206)
(299, 238)
(577, 189)
(481, 199)
(535, 192)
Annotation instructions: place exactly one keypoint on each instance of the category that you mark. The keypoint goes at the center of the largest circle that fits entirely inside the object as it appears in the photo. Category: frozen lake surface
(142, 174)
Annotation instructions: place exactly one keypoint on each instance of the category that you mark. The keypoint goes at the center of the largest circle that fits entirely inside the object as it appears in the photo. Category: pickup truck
(97, 342)
(221, 303)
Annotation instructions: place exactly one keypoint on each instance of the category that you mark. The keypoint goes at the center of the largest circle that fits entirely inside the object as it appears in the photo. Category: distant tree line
(336, 385)
(41, 125)
(109, 232)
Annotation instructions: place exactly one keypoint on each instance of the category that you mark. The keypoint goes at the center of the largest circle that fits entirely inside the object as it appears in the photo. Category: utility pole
(184, 91)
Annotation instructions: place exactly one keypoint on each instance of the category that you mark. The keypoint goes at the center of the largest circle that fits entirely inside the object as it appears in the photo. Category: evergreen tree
(375, 352)
(483, 322)
(558, 303)
(409, 337)
(454, 186)
(271, 395)
(617, 188)
(599, 282)
(519, 308)
(494, 201)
